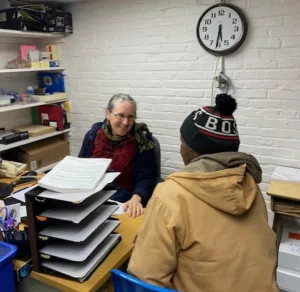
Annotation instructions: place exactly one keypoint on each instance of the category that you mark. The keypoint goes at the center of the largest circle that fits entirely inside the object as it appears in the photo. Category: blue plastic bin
(7, 279)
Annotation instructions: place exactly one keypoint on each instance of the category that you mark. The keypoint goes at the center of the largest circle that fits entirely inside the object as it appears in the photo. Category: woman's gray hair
(120, 97)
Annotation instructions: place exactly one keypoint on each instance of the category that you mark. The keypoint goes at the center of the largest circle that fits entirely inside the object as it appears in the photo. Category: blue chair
(126, 283)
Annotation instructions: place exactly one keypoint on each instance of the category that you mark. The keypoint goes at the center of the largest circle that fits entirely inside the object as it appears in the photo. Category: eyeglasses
(122, 117)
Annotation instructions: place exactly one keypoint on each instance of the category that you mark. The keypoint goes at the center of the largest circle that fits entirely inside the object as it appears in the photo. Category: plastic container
(7, 279)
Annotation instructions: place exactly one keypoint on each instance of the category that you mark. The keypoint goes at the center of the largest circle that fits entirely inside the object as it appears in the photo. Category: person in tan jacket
(206, 228)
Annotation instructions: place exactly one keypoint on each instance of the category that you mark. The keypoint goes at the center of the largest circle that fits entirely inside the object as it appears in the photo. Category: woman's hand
(133, 207)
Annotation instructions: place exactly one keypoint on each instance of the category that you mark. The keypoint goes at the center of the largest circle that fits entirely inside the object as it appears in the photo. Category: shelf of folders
(71, 234)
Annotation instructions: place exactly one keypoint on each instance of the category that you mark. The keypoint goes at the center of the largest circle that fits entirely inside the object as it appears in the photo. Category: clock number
(236, 28)
(218, 45)
(211, 42)
(208, 21)
(213, 15)
(233, 37)
(221, 12)
(229, 14)
(206, 37)
(226, 42)
(234, 21)
(204, 29)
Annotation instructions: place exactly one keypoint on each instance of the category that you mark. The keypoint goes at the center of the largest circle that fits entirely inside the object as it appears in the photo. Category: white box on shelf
(289, 249)
(288, 280)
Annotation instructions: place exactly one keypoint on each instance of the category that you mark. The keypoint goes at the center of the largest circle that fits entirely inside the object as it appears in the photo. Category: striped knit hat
(212, 129)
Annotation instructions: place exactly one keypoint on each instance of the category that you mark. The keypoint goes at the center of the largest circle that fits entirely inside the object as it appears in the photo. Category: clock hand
(219, 35)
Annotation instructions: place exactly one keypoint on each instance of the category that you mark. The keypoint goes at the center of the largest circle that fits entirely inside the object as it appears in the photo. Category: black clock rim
(233, 49)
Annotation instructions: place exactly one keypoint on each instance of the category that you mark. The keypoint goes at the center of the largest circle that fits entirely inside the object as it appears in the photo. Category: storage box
(7, 280)
(289, 249)
(288, 280)
(21, 19)
(51, 115)
(44, 153)
(57, 20)
(36, 130)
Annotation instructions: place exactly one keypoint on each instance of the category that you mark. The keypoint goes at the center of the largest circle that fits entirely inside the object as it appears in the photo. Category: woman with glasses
(131, 148)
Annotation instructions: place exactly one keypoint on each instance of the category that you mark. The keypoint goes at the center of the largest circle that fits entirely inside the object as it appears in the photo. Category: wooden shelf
(9, 33)
(14, 107)
(4, 71)
(31, 140)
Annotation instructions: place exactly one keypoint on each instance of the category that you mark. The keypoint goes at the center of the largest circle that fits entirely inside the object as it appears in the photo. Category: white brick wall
(149, 50)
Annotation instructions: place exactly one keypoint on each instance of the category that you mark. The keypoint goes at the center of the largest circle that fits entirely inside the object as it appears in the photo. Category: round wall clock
(222, 29)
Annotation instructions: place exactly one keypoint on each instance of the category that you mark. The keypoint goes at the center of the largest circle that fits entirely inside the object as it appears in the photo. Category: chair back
(126, 283)
(158, 159)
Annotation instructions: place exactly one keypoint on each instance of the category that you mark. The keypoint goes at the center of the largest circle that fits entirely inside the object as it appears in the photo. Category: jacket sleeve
(145, 175)
(154, 258)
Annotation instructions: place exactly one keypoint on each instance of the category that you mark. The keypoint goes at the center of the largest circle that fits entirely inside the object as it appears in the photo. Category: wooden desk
(121, 253)
(128, 229)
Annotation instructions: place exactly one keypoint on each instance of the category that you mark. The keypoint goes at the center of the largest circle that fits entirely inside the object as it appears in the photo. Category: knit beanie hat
(212, 129)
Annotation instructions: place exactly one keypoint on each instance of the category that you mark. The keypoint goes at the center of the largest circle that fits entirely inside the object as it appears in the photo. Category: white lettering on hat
(197, 113)
(226, 127)
(211, 123)
(234, 128)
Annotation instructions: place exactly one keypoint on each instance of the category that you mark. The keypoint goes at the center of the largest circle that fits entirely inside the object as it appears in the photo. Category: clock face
(222, 29)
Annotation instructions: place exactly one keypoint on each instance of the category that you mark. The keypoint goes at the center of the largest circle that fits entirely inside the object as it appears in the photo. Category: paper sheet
(80, 232)
(23, 211)
(78, 252)
(78, 197)
(82, 270)
(74, 174)
(120, 210)
(21, 194)
(79, 211)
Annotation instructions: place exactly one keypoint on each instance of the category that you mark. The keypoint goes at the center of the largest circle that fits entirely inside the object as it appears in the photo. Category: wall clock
(222, 29)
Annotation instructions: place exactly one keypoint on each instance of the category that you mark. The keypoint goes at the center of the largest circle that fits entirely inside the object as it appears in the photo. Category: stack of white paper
(79, 252)
(81, 270)
(79, 211)
(75, 175)
(83, 236)
(80, 232)
(78, 197)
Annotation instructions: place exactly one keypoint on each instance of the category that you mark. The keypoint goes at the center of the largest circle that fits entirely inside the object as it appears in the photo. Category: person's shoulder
(96, 126)
(169, 192)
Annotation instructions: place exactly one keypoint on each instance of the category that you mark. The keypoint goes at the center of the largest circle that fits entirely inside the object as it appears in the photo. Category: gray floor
(31, 285)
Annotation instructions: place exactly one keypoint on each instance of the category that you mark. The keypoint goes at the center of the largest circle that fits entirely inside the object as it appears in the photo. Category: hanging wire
(222, 2)
(213, 82)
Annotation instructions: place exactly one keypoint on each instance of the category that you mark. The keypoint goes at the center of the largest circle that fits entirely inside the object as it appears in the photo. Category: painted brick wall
(149, 50)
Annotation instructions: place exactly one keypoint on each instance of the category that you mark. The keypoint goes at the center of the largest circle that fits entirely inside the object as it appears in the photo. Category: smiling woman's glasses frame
(122, 117)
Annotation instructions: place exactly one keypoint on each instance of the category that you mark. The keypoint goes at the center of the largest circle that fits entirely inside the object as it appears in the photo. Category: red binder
(51, 115)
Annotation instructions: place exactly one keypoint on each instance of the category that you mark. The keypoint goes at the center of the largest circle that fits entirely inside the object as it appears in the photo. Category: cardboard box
(44, 153)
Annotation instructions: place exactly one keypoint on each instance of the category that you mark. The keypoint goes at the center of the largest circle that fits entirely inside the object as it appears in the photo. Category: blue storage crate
(7, 279)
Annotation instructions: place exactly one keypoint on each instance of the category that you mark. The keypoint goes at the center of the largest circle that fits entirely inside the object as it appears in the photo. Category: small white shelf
(9, 33)
(31, 140)
(5, 71)
(14, 107)
(46, 168)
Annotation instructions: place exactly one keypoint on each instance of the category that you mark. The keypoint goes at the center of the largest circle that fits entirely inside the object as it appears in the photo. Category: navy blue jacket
(144, 168)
